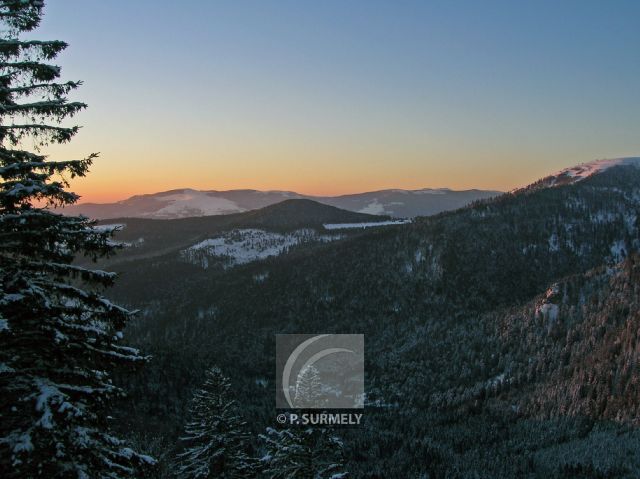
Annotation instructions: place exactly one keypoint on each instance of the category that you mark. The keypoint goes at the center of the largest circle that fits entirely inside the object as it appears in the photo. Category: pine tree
(216, 437)
(310, 453)
(59, 337)
(308, 388)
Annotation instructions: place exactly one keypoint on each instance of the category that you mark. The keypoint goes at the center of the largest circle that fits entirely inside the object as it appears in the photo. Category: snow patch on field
(342, 226)
(246, 245)
(373, 208)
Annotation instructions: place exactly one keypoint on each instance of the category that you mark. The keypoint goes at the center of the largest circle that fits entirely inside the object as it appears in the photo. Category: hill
(292, 214)
(147, 238)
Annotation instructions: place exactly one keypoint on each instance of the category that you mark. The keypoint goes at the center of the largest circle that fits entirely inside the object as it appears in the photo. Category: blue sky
(333, 97)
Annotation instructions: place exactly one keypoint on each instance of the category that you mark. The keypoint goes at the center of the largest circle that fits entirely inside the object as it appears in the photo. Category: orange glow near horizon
(104, 185)
(135, 167)
(127, 169)
(116, 180)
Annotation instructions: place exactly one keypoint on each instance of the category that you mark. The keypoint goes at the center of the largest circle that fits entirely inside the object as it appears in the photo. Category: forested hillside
(501, 339)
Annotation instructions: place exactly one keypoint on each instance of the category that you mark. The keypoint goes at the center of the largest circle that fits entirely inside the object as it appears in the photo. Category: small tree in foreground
(59, 337)
(216, 438)
(308, 388)
(310, 453)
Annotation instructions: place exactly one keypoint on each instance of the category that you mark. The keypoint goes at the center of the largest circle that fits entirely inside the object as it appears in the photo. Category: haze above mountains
(183, 203)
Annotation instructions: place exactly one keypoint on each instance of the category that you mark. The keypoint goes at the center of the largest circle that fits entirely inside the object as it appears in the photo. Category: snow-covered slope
(587, 169)
(183, 203)
(577, 173)
(194, 203)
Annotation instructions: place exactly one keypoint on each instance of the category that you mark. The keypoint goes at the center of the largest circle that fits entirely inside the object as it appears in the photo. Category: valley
(513, 320)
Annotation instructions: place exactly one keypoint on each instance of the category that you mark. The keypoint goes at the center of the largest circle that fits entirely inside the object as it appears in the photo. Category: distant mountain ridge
(185, 203)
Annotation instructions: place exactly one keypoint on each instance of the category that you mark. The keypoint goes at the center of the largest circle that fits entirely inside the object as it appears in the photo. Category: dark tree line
(60, 339)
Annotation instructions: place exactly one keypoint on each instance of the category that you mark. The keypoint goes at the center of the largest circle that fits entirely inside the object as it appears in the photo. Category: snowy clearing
(246, 245)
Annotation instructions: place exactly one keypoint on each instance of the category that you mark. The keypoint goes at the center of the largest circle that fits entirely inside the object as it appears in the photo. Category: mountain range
(501, 339)
(147, 238)
(185, 203)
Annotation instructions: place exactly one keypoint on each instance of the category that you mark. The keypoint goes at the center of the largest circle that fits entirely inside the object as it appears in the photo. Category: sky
(331, 97)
